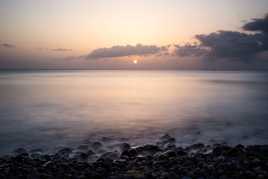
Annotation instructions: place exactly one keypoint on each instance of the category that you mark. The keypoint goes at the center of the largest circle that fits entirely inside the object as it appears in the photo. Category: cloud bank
(230, 44)
(7, 45)
(61, 50)
(123, 51)
(257, 25)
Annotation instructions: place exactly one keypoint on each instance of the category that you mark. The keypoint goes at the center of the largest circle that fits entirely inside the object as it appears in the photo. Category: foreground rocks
(163, 160)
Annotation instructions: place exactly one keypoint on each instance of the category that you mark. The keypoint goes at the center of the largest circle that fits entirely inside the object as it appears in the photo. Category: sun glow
(135, 61)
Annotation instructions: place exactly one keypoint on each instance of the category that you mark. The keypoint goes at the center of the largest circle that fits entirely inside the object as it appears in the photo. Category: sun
(135, 61)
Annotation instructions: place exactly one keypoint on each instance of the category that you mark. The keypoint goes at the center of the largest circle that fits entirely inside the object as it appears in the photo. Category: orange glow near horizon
(135, 61)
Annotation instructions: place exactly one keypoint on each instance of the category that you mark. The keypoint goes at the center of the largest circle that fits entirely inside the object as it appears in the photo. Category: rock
(124, 147)
(196, 148)
(90, 152)
(234, 152)
(258, 149)
(83, 147)
(141, 162)
(165, 155)
(79, 156)
(47, 164)
(166, 141)
(132, 152)
(20, 151)
(220, 150)
(180, 151)
(63, 153)
(186, 177)
(135, 174)
(110, 156)
(96, 145)
(148, 148)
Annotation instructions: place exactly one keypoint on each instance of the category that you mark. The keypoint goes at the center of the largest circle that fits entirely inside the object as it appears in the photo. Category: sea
(49, 109)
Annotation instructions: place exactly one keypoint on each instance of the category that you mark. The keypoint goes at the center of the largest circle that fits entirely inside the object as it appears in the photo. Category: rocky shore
(163, 160)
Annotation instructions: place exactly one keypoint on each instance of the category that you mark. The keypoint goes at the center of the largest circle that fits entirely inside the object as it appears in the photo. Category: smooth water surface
(53, 108)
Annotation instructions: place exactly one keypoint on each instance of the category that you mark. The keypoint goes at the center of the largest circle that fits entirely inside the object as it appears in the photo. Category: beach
(163, 160)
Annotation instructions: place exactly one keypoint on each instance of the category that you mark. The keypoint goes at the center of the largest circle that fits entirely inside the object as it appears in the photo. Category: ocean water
(49, 109)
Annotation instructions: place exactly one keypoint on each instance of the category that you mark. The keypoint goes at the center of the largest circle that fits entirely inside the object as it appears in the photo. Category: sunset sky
(73, 34)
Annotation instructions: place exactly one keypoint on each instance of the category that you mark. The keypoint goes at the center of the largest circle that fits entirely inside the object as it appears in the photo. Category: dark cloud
(7, 45)
(230, 44)
(224, 44)
(122, 51)
(61, 50)
(191, 50)
(260, 25)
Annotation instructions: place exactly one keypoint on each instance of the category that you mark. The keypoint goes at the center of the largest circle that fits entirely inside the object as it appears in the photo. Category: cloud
(122, 51)
(260, 25)
(61, 49)
(191, 50)
(224, 44)
(230, 44)
(7, 45)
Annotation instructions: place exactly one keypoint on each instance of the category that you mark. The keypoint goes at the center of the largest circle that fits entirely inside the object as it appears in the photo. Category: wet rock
(63, 153)
(79, 156)
(258, 149)
(180, 151)
(165, 155)
(83, 147)
(132, 152)
(96, 146)
(220, 150)
(20, 151)
(110, 156)
(151, 149)
(123, 147)
(147, 161)
(186, 177)
(90, 152)
(166, 141)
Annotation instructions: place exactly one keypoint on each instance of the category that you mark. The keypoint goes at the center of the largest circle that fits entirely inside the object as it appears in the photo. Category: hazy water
(52, 108)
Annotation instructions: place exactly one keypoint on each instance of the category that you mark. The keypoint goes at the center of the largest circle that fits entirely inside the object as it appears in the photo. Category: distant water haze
(47, 109)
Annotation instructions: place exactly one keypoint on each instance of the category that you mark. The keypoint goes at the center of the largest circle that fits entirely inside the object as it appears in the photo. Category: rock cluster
(164, 160)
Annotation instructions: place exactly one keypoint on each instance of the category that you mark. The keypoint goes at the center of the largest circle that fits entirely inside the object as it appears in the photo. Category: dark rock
(110, 156)
(234, 152)
(83, 147)
(166, 141)
(220, 150)
(63, 153)
(147, 161)
(124, 147)
(148, 148)
(20, 151)
(90, 152)
(165, 155)
(132, 152)
(96, 145)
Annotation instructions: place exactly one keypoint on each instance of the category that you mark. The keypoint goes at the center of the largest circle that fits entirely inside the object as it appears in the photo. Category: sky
(115, 33)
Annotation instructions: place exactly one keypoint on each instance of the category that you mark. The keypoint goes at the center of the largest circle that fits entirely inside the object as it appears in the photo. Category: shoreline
(161, 160)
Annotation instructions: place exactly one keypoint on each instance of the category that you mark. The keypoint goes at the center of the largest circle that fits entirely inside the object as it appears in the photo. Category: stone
(96, 145)
(20, 151)
(110, 156)
(63, 153)
(124, 147)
